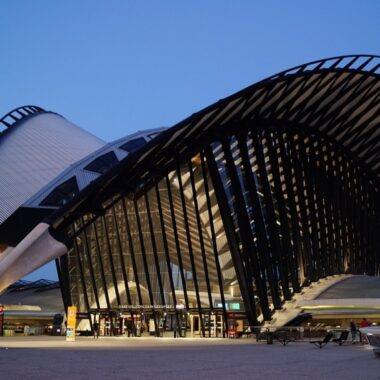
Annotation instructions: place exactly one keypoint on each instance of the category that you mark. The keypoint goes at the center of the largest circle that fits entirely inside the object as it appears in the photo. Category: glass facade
(240, 226)
(221, 219)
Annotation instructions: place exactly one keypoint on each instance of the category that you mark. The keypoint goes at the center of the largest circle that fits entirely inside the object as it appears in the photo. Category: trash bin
(269, 337)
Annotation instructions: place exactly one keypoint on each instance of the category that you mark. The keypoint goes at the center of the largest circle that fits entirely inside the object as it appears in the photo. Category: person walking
(95, 327)
(353, 330)
(365, 323)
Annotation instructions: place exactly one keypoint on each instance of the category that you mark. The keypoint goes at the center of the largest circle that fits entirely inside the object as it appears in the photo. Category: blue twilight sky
(117, 66)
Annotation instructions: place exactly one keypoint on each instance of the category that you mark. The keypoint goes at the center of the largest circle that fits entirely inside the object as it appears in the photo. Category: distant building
(30, 307)
(212, 224)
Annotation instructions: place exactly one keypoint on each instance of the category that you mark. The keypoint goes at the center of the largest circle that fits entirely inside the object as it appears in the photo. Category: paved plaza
(168, 358)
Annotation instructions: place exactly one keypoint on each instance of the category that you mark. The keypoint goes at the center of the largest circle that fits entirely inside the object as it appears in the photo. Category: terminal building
(211, 225)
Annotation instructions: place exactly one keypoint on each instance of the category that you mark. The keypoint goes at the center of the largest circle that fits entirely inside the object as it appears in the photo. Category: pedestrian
(353, 330)
(365, 323)
(95, 327)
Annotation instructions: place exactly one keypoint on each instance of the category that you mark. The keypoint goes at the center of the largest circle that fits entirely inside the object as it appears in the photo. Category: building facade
(211, 225)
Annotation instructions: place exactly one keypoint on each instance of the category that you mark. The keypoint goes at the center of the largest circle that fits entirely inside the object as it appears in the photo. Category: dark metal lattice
(251, 199)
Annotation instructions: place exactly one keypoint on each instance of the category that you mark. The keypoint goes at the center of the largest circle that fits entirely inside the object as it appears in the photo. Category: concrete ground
(168, 358)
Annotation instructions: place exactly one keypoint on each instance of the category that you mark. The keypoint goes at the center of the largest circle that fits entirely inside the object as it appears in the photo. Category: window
(133, 145)
(103, 163)
(153, 135)
(62, 193)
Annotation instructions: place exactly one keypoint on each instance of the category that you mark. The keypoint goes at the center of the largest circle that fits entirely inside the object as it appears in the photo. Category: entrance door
(212, 324)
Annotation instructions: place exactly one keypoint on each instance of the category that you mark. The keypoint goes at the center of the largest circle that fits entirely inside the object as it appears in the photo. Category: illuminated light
(341, 307)
(196, 160)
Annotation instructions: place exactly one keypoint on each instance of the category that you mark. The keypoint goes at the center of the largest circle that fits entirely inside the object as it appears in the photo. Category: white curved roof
(34, 151)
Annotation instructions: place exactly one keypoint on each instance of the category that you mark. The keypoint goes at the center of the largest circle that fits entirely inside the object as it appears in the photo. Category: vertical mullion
(329, 214)
(343, 212)
(199, 226)
(145, 263)
(249, 248)
(308, 265)
(263, 254)
(358, 222)
(177, 243)
(350, 214)
(166, 248)
(102, 274)
(63, 286)
(109, 249)
(364, 208)
(190, 247)
(370, 224)
(354, 219)
(243, 272)
(337, 215)
(121, 256)
(294, 215)
(214, 243)
(286, 251)
(154, 246)
(317, 167)
(131, 248)
(272, 225)
(91, 266)
(308, 189)
(65, 278)
(81, 271)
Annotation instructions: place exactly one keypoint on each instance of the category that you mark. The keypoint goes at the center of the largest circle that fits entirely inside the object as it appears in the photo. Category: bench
(342, 338)
(322, 343)
(284, 337)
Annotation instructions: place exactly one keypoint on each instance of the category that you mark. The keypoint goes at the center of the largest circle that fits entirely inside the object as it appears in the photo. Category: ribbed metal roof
(34, 150)
(336, 98)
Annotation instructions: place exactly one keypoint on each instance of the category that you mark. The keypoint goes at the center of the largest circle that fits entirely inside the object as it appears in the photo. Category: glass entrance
(211, 323)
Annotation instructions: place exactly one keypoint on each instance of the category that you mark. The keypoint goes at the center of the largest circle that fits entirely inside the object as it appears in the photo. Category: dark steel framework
(16, 115)
(245, 202)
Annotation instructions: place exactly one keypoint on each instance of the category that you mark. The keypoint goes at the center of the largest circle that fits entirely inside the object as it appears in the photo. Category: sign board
(230, 305)
(82, 316)
(71, 323)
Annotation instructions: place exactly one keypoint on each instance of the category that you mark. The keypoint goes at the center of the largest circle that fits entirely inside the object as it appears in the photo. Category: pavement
(184, 358)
